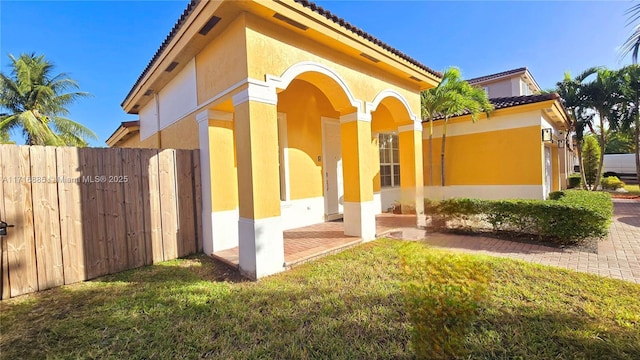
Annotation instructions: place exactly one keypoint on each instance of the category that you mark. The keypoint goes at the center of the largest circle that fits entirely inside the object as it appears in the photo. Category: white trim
(283, 81)
(207, 115)
(416, 126)
(360, 219)
(302, 212)
(372, 106)
(283, 137)
(490, 192)
(257, 91)
(222, 94)
(261, 246)
(377, 200)
(495, 123)
(355, 116)
(225, 229)
(205, 180)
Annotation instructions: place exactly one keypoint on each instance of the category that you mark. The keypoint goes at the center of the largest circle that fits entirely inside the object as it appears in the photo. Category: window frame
(393, 162)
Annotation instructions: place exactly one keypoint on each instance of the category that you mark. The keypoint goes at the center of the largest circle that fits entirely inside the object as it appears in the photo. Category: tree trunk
(582, 175)
(444, 141)
(601, 140)
(431, 158)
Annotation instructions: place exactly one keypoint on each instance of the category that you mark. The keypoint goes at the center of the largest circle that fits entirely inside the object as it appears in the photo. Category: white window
(389, 160)
(486, 90)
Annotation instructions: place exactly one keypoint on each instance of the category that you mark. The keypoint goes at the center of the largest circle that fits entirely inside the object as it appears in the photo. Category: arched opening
(392, 130)
(309, 138)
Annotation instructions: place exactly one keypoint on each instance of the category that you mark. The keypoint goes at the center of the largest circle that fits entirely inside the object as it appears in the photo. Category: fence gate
(80, 213)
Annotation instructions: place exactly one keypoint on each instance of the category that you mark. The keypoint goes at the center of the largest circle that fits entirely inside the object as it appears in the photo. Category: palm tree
(571, 96)
(632, 44)
(37, 102)
(432, 105)
(452, 97)
(631, 93)
(603, 95)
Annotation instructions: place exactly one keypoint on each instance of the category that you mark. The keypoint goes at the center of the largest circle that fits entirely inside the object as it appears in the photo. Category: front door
(332, 168)
(547, 172)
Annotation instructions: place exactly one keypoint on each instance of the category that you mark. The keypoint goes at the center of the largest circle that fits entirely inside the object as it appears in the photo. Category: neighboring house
(126, 136)
(300, 117)
(505, 155)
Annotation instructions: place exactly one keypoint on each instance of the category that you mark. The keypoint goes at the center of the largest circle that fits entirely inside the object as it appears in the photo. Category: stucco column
(411, 167)
(219, 187)
(261, 246)
(358, 169)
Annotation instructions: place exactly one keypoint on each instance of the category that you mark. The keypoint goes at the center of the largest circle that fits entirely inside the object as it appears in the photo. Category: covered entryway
(314, 241)
(332, 169)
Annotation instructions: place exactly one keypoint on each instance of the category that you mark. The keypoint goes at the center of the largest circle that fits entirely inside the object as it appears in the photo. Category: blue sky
(105, 45)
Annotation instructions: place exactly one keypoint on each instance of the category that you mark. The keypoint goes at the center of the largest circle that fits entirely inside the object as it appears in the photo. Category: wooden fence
(80, 213)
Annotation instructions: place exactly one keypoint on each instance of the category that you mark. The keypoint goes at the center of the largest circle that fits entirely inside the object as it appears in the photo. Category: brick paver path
(618, 256)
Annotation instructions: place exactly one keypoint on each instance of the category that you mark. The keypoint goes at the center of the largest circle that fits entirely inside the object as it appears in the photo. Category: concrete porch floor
(311, 242)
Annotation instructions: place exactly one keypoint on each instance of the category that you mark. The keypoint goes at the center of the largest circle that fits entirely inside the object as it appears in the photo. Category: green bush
(574, 181)
(568, 217)
(590, 160)
(443, 296)
(612, 183)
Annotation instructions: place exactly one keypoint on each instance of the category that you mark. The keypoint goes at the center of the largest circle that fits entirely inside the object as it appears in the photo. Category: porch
(314, 241)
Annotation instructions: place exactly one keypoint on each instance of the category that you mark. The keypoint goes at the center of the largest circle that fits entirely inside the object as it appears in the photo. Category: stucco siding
(178, 97)
(148, 120)
(273, 49)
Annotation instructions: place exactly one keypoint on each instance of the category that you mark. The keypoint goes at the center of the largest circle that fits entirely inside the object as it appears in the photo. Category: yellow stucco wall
(181, 135)
(304, 106)
(272, 51)
(134, 142)
(382, 120)
(357, 161)
(503, 157)
(258, 173)
(223, 62)
(222, 155)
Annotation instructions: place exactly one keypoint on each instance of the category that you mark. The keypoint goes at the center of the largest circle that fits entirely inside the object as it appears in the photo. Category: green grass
(360, 304)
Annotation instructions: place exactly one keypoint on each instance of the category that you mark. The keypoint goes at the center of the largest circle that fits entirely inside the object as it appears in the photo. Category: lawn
(365, 303)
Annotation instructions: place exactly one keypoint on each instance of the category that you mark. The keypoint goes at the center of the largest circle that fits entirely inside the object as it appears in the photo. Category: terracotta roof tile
(496, 75)
(511, 101)
(307, 4)
(187, 11)
(345, 24)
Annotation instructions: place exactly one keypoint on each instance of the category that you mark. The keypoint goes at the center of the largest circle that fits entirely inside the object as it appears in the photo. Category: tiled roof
(505, 102)
(496, 76)
(345, 24)
(167, 40)
(307, 4)
(128, 124)
(511, 101)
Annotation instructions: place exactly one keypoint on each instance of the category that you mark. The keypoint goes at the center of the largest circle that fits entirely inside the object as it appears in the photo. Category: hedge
(568, 217)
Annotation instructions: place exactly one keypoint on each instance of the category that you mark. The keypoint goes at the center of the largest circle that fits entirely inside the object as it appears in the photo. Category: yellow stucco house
(520, 151)
(300, 117)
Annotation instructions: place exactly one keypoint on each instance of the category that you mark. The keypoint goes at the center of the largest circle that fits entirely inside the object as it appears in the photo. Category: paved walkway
(618, 256)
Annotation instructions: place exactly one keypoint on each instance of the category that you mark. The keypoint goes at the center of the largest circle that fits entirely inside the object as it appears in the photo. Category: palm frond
(37, 99)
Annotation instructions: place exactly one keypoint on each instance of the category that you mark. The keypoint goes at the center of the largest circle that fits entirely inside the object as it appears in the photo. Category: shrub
(568, 217)
(612, 183)
(443, 295)
(574, 181)
(590, 160)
